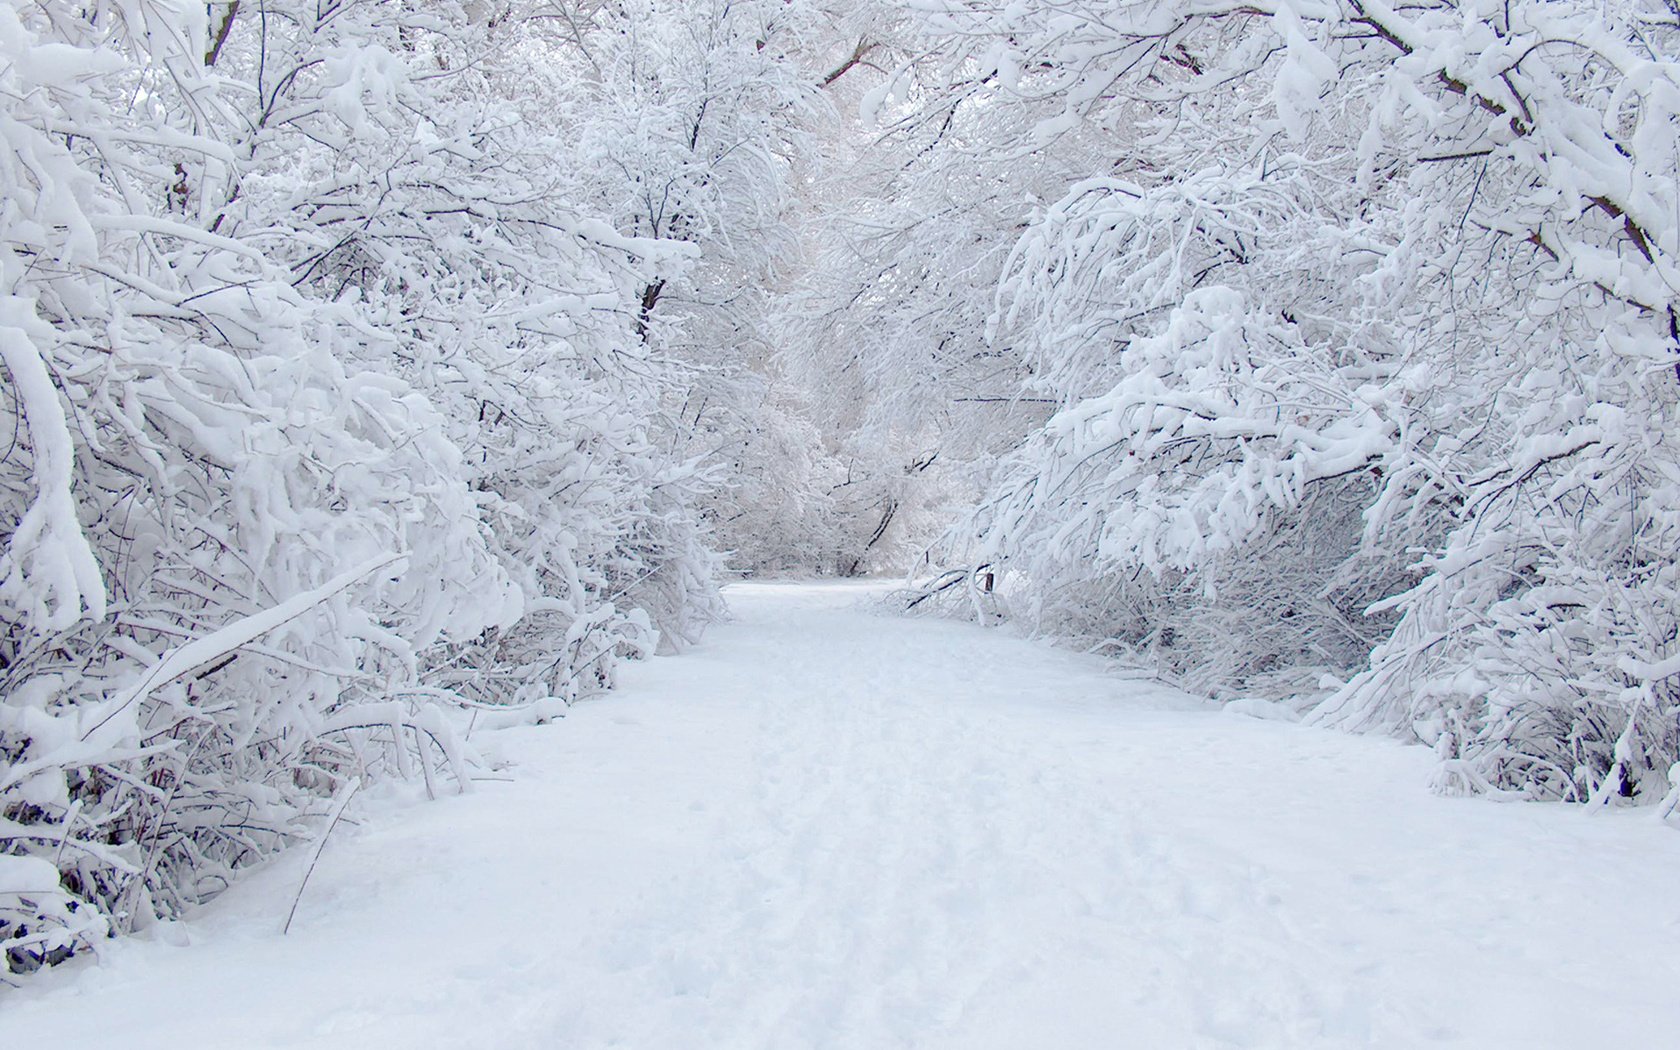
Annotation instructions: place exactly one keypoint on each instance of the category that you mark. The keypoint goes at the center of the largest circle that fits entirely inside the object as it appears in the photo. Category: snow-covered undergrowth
(325, 421)
(1359, 335)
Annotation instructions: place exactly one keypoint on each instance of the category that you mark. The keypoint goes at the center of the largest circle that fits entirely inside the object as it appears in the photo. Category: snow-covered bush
(1229, 446)
(1362, 350)
(327, 419)
(432, 200)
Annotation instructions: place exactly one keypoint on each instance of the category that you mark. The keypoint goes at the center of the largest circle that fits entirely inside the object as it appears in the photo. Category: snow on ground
(831, 828)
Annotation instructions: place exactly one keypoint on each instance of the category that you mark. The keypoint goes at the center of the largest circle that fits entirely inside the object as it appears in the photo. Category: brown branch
(1539, 242)
(1634, 232)
(862, 49)
(215, 51)
(1522, 126)
(1468, 155)
(650, 299)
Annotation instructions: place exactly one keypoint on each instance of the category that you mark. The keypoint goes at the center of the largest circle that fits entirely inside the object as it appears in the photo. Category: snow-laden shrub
(1197, 500)
(428, 195)
(308, 450)
(1538, 652)
(1363, 352)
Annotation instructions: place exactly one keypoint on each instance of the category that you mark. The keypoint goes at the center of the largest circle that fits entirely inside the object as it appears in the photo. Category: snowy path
(828, 828)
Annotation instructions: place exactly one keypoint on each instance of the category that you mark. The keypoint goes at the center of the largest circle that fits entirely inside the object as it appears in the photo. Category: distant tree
(695, 124)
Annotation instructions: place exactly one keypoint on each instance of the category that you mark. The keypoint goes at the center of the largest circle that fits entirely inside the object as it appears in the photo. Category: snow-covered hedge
(1362, 345)
(325, 421)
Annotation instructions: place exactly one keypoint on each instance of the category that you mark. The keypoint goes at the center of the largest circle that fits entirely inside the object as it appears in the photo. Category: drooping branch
(1522, 122)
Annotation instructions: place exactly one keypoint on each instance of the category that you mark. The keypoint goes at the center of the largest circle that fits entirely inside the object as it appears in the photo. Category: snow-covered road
(831, 828)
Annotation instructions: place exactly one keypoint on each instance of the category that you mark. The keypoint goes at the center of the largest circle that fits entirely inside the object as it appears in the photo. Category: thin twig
(320, 844)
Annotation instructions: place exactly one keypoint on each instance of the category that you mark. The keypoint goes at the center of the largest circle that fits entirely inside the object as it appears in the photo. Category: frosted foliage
(1363, 361)
(375, 372)
(693, 124)
(327, 424)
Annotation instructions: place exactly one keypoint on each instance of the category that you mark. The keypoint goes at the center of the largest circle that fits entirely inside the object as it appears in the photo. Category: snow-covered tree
(693, 125)
(329, 419)
(436, 204)
(1361, 345)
